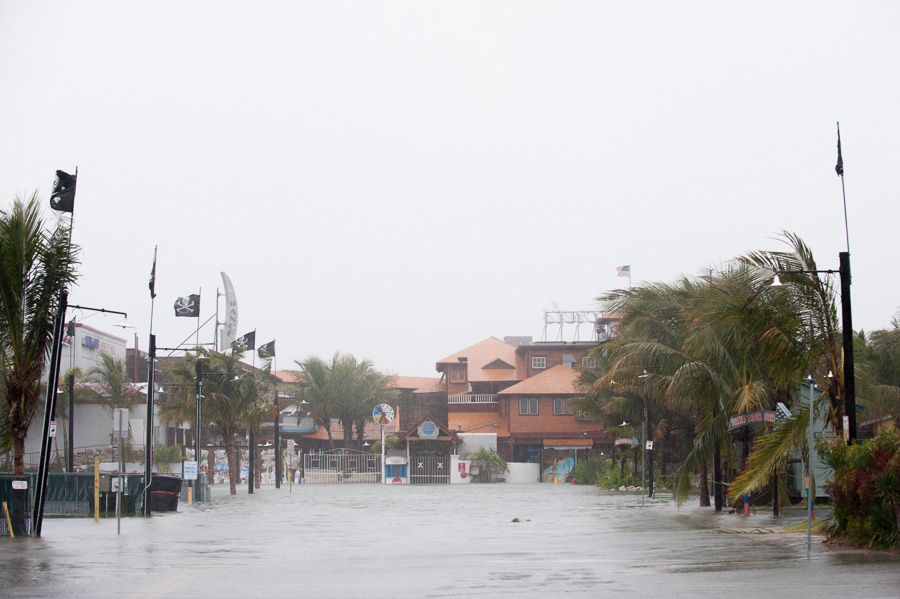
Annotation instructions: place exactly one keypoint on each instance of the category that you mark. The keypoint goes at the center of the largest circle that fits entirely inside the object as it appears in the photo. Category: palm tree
(879, 371)
(108, 382)
(230, 399)
(319, 391)
(488, 463)
(35, 264)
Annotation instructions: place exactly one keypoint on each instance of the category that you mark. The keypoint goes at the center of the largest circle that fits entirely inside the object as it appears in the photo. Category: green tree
(319, 389)
(108, 383)
(344, 389)
(488, 463)
(35, 264)
(230, 398)
(878, 376)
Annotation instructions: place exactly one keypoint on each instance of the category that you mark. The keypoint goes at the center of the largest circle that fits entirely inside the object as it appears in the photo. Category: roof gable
(491, 352)
(559, 380)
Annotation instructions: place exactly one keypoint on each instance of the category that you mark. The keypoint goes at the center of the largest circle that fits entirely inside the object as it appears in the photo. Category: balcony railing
(472, 399)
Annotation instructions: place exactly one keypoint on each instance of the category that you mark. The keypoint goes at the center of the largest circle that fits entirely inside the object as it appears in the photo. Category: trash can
(164, 492)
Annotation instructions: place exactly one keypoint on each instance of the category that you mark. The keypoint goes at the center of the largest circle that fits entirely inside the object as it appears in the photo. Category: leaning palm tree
(35, 264)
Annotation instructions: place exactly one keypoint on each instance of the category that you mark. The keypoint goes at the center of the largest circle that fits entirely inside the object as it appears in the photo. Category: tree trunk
(210, 465)
(717, 478)
(18, 455)
(233, 471)
(704, 486)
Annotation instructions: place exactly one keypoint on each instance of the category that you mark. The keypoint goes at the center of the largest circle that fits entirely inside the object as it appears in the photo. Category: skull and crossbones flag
(188, 306)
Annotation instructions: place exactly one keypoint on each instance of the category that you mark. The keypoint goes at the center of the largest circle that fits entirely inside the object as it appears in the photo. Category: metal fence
(429, 470)
(71, 495)
(341, 466)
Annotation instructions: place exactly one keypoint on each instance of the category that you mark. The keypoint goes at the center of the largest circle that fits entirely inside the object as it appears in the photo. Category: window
(538, 362)
(560, 407)
(588, 362)
(528, 405)
(458, 373)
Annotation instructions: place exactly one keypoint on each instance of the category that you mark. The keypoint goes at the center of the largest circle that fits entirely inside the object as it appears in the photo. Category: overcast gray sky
(400, 180)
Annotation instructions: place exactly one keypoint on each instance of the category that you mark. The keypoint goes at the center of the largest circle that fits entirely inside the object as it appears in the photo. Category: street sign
(52, 428)
(383, 414)
(190, 470)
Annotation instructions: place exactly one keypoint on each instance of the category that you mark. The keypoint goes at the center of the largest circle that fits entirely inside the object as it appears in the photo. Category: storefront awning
(568, 443)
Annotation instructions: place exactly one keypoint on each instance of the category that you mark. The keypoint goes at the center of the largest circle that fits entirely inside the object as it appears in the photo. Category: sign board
(630, 441)
(751, 418)
(190, 470)
(649, 446)
(429, 430)
(52, 428)
(120, 422)
(383, 414)
(20, 485)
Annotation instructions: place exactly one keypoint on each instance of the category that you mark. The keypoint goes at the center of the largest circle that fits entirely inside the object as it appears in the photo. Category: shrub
(865, 491)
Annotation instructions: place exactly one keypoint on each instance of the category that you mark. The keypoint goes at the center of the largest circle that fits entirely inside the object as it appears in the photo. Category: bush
(865, 491)
(587, 470)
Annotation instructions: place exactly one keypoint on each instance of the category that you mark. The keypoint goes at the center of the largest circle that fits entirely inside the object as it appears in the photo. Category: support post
(40, 489)
(148, 449)
(277, 445)
(199, 369)
(847, 336)
(70, 450)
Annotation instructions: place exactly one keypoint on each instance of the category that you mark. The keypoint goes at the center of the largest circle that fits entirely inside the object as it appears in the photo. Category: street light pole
(199, 369)
(849, 423)
(847, 338)
(277, 445)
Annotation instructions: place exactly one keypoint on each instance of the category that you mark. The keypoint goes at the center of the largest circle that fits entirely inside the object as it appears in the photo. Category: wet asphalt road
(438, 541)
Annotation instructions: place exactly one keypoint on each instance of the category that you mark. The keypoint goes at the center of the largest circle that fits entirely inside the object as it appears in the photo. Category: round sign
(397, 481)
(383, 414)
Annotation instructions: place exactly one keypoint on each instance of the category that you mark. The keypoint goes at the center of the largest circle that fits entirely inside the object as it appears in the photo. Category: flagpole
(840, 171)
(197, 336)
(151, 363)
(60, 187)
(849, 423)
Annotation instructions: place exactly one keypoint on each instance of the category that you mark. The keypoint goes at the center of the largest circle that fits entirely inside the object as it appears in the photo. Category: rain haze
(401, 180)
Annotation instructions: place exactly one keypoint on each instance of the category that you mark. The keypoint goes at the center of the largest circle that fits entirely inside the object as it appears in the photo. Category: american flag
(624, 271)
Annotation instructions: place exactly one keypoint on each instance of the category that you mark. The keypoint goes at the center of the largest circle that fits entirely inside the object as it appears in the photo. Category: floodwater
(537, 540)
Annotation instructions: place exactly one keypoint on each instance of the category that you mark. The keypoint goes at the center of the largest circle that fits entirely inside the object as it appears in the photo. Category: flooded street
(437, 541)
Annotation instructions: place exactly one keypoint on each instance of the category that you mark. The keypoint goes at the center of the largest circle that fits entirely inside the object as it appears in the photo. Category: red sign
(397, 481)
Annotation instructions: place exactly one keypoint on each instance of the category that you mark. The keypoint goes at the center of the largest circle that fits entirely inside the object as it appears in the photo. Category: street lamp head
(125, 324)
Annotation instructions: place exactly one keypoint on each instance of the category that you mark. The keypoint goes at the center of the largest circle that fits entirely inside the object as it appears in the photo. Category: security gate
(429, 470)
(341, 466)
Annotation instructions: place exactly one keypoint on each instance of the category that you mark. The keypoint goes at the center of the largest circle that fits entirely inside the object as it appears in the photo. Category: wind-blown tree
(108, 383)
(879, 371)
(798, 334)
(647, 358)
(35, 264)
(343, 389)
